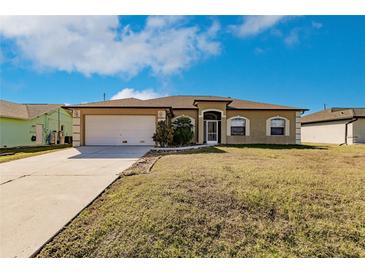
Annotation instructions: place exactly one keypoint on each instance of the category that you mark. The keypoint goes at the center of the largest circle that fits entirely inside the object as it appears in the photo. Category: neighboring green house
(34, 124)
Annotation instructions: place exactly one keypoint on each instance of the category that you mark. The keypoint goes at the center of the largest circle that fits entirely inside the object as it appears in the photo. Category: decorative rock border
(179, 148)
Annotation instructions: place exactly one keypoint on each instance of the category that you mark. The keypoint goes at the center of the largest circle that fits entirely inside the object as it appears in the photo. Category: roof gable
(35, 110)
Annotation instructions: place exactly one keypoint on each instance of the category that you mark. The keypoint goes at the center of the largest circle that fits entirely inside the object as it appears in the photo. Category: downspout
(346, 129)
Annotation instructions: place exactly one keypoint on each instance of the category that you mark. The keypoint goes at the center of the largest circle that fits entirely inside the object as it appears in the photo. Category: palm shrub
(164, 135)
(183, 131)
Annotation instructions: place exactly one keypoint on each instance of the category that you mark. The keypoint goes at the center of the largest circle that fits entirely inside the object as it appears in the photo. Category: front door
(212, 132)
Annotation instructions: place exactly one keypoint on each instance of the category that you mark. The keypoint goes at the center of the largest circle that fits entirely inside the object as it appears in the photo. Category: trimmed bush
(183, 131)
(164, 135)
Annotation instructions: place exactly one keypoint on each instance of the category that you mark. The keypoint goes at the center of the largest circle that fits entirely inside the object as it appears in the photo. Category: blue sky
(304, 61)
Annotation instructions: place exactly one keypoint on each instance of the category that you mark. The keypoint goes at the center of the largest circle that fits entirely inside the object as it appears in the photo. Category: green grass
(25, 152)
(229, 201)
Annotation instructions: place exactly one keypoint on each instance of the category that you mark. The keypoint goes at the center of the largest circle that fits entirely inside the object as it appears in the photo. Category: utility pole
(324, 106)
(104, 95)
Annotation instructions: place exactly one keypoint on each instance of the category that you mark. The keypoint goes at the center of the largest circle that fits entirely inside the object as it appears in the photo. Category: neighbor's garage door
(119, 129)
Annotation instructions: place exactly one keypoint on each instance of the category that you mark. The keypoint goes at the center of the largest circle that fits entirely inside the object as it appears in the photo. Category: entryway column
(201, 128)
(224, 130)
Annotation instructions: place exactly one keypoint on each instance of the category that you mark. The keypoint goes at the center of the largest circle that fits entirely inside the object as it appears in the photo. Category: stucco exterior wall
(258, 127)
(258, 122)
(16, 132)
(79, 122)
(358, 131)
(325, 132)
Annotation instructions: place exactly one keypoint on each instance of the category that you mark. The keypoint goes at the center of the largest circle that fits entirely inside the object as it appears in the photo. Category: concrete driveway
(39, 195)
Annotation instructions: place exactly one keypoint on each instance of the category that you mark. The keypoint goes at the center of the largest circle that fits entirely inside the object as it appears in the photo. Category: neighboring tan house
(216, 120)
(33, 124)
(335, 126)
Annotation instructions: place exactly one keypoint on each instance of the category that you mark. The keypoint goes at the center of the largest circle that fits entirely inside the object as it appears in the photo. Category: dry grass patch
(248, 201)
(10, 154)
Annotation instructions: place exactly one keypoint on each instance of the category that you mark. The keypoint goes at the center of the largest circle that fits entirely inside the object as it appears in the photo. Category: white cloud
(259, 51)
(299, 34)
(317, 25)
(293, 37)
(100, 45)
(132, 93)
(253, 25)
(276, 33)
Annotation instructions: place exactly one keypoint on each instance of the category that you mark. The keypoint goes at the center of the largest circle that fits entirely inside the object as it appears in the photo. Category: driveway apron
(40, 194)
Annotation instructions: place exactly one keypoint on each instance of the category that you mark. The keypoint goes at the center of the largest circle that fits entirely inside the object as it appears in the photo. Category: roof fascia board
(12, 117)
(328, 120)
(76, 107)
(293, 109)
(228, 101)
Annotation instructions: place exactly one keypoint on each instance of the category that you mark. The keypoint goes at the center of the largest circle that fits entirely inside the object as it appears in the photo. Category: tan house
(335, 126)
(216, 120)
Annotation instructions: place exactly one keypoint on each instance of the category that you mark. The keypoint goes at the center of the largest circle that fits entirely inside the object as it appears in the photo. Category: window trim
(286, 126)
(201, 113)
(243, 121)
(247, 126)
(282, 127)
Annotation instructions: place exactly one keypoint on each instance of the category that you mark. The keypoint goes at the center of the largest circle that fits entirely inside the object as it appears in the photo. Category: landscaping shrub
(164, 135)
(183, 131)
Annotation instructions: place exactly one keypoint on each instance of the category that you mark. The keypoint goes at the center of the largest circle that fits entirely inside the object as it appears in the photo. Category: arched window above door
(212, 115)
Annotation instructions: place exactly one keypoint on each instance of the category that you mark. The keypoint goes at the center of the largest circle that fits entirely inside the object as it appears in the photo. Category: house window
(277, 126)
(238, 127)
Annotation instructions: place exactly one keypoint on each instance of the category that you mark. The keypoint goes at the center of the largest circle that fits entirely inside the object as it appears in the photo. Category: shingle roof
(333, 114)
(13, 110)
(185, 102)
(127, 102)
(25, 111)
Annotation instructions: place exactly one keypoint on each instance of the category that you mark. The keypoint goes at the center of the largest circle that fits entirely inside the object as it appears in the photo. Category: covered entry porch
(212, 127)
(212, 121)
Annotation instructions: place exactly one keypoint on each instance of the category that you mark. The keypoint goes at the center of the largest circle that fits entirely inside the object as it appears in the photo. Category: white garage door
(119, 129)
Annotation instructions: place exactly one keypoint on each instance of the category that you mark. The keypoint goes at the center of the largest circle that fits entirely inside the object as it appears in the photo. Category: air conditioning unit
(53, 138)
(61, 137)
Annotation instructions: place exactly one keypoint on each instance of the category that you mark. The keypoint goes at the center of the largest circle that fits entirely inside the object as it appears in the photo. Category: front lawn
(229, 201)
(10, 154)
